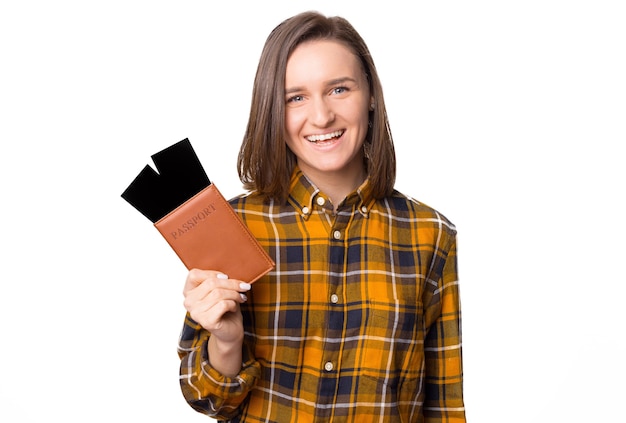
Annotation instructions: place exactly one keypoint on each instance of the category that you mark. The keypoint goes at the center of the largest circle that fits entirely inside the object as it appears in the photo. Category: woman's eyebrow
(328, 83)
(341, 80)
(293, 90)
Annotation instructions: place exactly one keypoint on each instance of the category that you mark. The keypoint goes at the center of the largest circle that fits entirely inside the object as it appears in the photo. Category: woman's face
(327, 107)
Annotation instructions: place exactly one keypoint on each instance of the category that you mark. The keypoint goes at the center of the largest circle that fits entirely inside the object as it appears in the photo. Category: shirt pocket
(394, 342)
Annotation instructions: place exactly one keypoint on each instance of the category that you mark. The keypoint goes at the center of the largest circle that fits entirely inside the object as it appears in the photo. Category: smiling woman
(327, 115)
(507, 116)
(360, 320)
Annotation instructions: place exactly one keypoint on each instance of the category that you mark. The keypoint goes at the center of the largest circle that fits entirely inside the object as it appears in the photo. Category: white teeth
(325, 137)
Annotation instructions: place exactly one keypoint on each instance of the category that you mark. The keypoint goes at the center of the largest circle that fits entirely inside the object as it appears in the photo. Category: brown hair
(265, 163)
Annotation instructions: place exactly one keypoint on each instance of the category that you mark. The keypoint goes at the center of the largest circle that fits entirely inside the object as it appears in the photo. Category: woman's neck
(337, 185)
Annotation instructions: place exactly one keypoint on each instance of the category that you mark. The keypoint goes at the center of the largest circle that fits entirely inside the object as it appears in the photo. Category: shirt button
(320, 201)
(337, 235)
(305, 210)
(328, 366)
(334, 298)
(364, 209)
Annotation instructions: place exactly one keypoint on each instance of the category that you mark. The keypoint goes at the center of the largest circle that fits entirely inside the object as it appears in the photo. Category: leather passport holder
(206, 233)
(194, 218)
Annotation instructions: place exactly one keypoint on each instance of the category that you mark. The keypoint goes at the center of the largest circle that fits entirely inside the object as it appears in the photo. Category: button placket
(337, 314)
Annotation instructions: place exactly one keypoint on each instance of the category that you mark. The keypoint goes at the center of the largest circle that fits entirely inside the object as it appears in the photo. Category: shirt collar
(303, 194)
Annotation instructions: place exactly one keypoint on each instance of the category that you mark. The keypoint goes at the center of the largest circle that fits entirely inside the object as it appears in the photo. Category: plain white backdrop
(508, 116)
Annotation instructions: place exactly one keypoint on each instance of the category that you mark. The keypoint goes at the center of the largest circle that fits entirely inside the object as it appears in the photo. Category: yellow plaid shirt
(359, 322)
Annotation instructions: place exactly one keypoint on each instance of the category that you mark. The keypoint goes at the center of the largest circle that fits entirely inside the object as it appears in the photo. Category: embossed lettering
(193, 221)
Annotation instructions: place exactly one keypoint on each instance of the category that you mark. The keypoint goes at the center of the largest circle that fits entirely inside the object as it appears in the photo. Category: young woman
(360, 320)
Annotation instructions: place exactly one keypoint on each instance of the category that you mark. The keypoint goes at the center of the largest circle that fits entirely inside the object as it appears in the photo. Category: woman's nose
(322, 114)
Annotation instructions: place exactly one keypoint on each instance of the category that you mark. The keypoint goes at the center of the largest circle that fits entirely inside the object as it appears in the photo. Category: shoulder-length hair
(265, 163)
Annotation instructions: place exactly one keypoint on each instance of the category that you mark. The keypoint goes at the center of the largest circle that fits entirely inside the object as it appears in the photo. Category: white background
(508, 117)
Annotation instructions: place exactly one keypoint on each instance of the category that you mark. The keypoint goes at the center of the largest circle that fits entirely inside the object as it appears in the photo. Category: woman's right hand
(213, 301)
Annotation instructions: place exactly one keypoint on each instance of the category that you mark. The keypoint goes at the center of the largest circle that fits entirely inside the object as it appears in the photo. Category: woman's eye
(339, 90)
(295, 99)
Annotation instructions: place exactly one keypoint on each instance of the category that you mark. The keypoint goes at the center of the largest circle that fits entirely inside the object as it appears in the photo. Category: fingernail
(222, 276)
(245, 286)
(243, 297)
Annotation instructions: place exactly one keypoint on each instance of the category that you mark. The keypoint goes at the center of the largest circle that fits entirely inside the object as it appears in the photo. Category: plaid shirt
(359, 321)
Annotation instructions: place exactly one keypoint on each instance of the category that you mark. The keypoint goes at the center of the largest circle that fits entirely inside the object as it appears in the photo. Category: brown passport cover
(206, 233)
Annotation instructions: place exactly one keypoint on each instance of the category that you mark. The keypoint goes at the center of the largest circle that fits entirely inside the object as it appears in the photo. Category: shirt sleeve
(204, 388)
(444, 369)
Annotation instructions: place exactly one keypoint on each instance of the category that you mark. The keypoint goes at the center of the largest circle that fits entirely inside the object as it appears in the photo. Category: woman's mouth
(325, 137)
